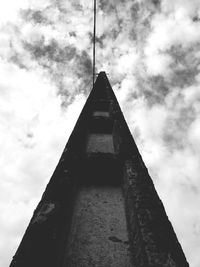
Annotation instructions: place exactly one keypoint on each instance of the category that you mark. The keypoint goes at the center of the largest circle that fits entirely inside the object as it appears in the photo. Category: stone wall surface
(154, 243)
(99, 236)
(100, 207)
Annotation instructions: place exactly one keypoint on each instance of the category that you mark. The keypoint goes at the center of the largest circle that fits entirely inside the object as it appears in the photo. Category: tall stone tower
(100, 208)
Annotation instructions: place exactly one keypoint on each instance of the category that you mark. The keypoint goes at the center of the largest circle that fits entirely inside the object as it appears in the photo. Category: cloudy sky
(151, 53)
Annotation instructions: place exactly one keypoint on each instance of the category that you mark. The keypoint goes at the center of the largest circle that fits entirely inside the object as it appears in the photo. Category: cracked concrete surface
(98, 237)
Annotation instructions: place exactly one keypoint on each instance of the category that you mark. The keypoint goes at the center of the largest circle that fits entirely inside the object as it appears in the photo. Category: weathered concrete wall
(153, 241)
(100, 143)
(99, 234)
(92, 232)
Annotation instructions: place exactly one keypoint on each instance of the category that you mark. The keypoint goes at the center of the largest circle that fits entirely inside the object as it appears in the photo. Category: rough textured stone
(99, 187)
(99, 234)
(102, 143)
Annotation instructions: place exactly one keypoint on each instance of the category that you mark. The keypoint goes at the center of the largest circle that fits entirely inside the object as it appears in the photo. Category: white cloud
(34, 126)
(9, 10)
(186, 7)
(168, 31)
(158, 64)
(34, 131)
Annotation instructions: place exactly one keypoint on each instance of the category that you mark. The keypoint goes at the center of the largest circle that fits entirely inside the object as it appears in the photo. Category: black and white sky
(151, 53)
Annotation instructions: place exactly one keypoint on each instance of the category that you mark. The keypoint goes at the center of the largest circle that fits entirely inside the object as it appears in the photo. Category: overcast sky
(151, 53)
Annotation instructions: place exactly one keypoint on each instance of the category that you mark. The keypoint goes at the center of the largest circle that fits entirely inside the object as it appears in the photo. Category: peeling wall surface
(99, 234)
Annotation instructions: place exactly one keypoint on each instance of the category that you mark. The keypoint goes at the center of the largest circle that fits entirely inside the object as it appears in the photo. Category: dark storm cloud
(183, 73)
(156, 2)
(66, 6)
(14, 53)
(35, 16)
(196, 19)
(108, 6)
(100, 40)
(58, 58)
(175, 134)
(153, 88)
(61, 62)
(110, 10)
(53, 39)
(185, 66)
(50, 53)
(141, 16)
(81, 69)
(16, 59)
(60, 5)
(85, 65)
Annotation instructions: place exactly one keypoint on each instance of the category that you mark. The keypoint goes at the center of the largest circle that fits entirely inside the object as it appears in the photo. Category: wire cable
(94, 41)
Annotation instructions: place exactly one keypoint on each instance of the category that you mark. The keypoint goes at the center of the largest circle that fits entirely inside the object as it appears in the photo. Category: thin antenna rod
(94, 40)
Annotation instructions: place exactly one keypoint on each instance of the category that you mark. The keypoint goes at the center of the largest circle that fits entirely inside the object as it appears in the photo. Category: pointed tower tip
(102, 88)
(101, 77)
(102, 73)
